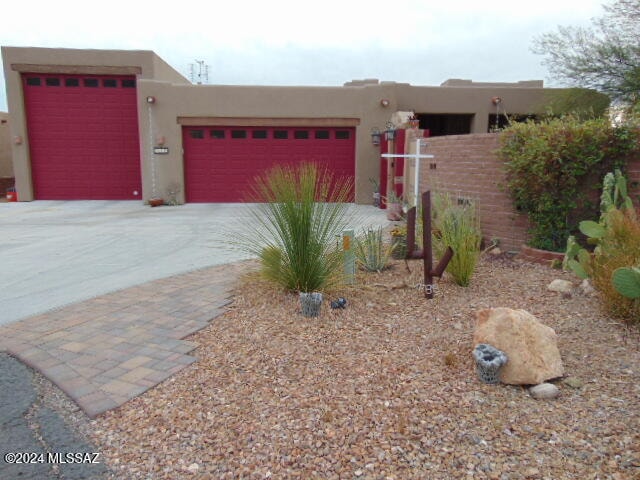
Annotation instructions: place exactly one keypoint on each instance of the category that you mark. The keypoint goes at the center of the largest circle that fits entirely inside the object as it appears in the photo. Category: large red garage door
(83, 136)
(221, 162)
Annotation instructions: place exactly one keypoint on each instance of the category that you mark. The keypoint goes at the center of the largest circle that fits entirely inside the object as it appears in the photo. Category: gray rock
(544, 391)
(586, 288)
(561, 286)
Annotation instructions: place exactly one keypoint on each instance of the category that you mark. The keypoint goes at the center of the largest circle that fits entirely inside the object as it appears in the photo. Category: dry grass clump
(620, 247)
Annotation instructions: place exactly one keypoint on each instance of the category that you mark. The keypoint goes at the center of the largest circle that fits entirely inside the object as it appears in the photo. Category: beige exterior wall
(358, 103)
(142, 63)
(6, 167)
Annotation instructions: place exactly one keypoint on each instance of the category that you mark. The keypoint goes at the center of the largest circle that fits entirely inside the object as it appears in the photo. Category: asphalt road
(35, 442)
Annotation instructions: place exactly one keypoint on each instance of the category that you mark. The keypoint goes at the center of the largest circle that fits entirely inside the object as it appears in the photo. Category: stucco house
(109, 124)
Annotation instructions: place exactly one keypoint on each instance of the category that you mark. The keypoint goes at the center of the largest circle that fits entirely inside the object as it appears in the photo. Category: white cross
(417, 157)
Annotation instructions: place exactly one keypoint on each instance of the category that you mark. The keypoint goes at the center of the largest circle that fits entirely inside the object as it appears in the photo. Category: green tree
(605, 56)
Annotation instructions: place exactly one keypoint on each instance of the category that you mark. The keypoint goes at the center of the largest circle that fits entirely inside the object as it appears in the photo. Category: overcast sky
(326, 42)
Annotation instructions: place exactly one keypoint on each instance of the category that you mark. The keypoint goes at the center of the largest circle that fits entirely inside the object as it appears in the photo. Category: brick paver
(107, 350)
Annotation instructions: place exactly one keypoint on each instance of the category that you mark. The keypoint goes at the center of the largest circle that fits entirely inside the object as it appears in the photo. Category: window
(109, 83)
(301, 134)
(342, 135)
(259, 134)
(33, 81)
(52, 82)
(196, 133)
(129, 83)
(322, 134)
(71, 82)
(280, 134)
(91, 82)
(238, 134)
(216, 133)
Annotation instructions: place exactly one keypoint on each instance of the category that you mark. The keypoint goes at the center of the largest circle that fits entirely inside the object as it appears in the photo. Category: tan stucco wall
(248, 105)
(177, 102)
(6, 167)
(143, 63)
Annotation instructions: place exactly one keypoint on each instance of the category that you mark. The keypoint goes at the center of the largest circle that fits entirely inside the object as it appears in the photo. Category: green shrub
(299, 213)
(457, 226)
(554, 166)
(372, 253)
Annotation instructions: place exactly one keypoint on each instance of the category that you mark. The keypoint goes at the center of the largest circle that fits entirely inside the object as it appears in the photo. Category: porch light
(390, 133)
(375, 136)
(151, 99)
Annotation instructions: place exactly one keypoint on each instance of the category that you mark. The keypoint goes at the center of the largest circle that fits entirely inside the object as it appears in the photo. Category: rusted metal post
(426, 253)
(426, 244)
(412, 252)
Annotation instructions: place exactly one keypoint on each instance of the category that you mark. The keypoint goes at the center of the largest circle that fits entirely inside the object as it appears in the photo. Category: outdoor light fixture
(375, 136)
(384, 102)
(496, 100)
(151, 99)
(160, 140)
(390, 133)
(17, 140)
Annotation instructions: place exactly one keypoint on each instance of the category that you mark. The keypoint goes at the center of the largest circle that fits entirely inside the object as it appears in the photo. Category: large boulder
(531, 347)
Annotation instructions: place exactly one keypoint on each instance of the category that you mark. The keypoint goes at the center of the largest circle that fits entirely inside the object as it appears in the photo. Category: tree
(605, 56)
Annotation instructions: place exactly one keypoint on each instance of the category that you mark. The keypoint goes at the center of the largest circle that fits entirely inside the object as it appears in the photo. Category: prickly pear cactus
(627, 281)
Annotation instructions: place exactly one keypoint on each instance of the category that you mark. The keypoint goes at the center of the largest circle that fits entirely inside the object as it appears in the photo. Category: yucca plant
(372, 253)
(299, 212)
(457, 226)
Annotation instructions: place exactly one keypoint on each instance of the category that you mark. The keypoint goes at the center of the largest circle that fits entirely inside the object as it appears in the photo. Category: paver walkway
(107, 350)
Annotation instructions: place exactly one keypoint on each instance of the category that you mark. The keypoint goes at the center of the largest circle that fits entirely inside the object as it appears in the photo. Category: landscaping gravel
(386, 389)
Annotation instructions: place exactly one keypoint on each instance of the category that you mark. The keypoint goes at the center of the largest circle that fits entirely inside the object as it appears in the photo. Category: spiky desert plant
(299, 211)
(457, 226)
(372, 253)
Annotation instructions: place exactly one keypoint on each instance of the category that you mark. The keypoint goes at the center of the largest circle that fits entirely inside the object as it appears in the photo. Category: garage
(83, 136)
(222, 161)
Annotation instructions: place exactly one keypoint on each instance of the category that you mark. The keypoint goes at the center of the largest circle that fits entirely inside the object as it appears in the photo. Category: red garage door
(83, 136)
(221, 162)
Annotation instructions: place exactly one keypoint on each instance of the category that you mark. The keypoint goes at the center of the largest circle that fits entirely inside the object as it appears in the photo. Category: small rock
(531, 472)
(457, 326)
(358, 473)
(495, 251)
(560, 286)
(586, 288)
(544, 391)
(573, 382)
(193, 468)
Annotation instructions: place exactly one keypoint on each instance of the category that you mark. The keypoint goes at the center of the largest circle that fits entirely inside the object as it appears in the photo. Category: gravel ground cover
(386, 389)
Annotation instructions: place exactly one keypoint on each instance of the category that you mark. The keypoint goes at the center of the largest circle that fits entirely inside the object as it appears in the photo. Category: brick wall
(467, 167)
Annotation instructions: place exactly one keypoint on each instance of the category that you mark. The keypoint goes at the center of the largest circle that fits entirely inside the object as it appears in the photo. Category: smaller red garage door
(222, 162)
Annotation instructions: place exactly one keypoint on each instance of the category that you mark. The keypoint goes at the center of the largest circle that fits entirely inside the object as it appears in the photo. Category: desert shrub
(372, 253)
(619, 247)
(299, 212)
(554, 167)
(457, 226)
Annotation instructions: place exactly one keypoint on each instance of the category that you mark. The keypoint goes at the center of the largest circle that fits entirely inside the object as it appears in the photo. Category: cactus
(576, 258)
(627, 281)
(614, 194)
(592, 229)
(613, 201)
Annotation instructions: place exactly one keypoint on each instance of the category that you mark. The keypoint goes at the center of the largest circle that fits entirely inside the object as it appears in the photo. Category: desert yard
(385, 389)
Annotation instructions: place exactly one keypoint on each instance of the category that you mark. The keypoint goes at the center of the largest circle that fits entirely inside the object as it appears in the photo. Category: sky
(327, 42)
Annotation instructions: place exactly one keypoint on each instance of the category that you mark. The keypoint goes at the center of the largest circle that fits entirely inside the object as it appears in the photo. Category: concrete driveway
(53, 253)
